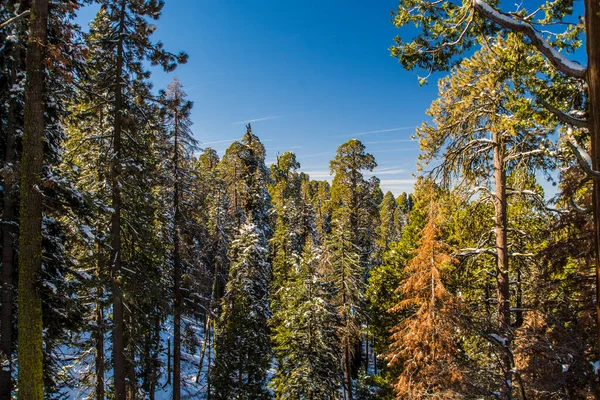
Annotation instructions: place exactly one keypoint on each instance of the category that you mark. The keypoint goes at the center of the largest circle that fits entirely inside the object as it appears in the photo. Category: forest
(139, 264)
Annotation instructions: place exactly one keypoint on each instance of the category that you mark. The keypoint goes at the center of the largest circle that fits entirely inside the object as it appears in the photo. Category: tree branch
(13, 19)
(582, 156)
(562, 116)
(557, 59)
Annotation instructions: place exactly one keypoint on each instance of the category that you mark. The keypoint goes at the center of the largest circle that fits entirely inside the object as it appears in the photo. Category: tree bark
(502, 275)
(9, 233)
(30, 340)
(592, 29)
(117, 284)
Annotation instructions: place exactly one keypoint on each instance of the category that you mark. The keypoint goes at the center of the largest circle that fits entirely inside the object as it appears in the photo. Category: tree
(355, 210)
(242, 345)
(484, 122)
(305, 337)
(181, 145)
(426, 343)
(450, 28)
(242, 348)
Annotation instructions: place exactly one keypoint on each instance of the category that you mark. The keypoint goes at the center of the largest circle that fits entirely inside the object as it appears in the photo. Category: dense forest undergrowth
(138, 264)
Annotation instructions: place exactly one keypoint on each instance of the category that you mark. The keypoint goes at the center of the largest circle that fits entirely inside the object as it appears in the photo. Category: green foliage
(305, 337)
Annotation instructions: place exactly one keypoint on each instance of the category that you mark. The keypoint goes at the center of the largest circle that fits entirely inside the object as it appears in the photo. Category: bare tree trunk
(117, 284)
(502, 275)
(9, 233)
(30, 341)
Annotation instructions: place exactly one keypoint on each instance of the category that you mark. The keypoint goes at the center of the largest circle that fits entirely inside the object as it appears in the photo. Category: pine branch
(13, 19)
(557, 59)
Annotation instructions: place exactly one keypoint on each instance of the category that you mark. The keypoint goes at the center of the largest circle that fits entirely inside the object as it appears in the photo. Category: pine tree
(354, 201)
(345, 271)
(181, 145)
(306, 341)
(426, 343)
(242, 347)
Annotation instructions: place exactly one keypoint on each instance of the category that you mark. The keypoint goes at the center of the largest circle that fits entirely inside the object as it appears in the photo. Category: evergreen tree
(355, 211)
(242, 345)
(306, 341)
(180, 145)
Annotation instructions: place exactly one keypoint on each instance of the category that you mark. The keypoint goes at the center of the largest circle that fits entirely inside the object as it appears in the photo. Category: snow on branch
(13, 19)
(584, 159)
(564, 117)
(562, 63)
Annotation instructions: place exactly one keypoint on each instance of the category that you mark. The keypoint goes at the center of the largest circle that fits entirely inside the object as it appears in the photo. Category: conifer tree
(242, 345)
(180, 145)
(355, 211)
(305, 338)
(242, 339)
(426, 343)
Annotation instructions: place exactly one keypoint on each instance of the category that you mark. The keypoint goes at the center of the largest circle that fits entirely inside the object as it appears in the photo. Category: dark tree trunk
(117, 284)
(9, 233)
(30, 341)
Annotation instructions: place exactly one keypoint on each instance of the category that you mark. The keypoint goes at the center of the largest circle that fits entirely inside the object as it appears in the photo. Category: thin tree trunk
(168, 361)
(117, 284)
(348, 371)
(502, 276)
(176, 270)
(592, 28)
(30, 341)
(8, 238)
(99, 339)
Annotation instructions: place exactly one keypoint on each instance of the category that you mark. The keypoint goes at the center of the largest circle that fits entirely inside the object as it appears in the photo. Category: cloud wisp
(403, 128)
(257, 120)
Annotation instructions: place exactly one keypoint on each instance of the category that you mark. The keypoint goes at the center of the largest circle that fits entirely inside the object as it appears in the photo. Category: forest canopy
(139, 263)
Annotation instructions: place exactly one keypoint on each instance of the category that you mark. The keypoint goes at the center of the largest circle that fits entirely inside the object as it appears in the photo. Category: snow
(596, 366)
(499, 339)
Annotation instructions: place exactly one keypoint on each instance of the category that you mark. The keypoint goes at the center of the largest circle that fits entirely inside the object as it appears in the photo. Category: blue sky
(308, 75)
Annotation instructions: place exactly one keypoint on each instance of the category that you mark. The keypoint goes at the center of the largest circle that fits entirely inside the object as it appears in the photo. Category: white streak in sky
(404, 128)
(257, 120)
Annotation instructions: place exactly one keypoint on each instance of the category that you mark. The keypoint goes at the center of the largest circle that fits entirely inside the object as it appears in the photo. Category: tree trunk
(117, 284)
(592, 28)
(176, 271)
(502, 276)
(99, 341)
(30, 341)
(348, 371)
(8, 238)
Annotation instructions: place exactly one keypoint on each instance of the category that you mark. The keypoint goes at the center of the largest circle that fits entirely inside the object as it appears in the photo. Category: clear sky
(309, 74)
